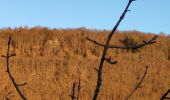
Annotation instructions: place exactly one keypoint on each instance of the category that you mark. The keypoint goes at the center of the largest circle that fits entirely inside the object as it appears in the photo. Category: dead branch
(164, 96)
(94, 41)
(106, 46)
(109, 60)
(7, 57)
(138, 85)
(103, 58)
(151, 41)
(73, 91)
(78, 90)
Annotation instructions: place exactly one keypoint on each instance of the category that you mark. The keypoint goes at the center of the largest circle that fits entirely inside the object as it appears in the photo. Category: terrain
(50, 60)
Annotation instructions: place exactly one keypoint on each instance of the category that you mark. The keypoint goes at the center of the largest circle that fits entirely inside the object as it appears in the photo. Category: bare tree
(164, 96)
(16, 85)
(106, 46)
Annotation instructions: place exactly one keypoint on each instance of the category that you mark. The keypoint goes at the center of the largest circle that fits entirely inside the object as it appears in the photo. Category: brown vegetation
(50, 59)
(7, 57)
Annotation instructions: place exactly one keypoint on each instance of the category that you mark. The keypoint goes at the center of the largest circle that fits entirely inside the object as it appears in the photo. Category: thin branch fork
(103, 58)
(164, 96)
(138, 85)
(72, 95)
(16, 85)
(151, 41)
(95, 42)
(72, 92)
(109, 60)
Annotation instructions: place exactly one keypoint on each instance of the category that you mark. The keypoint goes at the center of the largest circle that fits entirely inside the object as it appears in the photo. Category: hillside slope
(49, 60)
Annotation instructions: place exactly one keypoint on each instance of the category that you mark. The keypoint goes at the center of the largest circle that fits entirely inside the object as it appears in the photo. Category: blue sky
(146, 15)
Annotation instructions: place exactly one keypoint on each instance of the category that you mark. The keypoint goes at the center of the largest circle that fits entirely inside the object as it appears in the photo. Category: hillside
(49, 60)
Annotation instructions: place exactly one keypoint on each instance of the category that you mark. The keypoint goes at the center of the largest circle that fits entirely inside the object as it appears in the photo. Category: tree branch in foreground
(73, 91)
(109, 60)
(151, 41)
(78, 90)
(106, 46)
(16, 85)
(103, 58)
(164, 96)
(138, 85)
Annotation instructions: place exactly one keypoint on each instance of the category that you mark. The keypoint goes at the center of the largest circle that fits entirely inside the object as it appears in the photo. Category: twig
(22, 84)
(78, 90)
(72, 92)
(109, 60)
(138, 85)
(151, 41)
(16, 85)
(94, 41)
(164, 96)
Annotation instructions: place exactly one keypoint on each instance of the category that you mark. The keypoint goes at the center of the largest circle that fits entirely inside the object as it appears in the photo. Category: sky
(145, 15)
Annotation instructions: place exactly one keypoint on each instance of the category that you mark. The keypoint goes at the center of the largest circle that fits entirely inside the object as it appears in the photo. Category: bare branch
(9, 72)
(151, 41)
(12, 55)
(78, 89)
(22, 84)
(164, 96)
(96, 69)
(106, 46)
(95, 42)
(99, 79)
(72, 91)
(138, 85)
(110, 61)
(3, 56)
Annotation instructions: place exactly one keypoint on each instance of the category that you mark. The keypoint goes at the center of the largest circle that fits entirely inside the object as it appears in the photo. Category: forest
(50, 60)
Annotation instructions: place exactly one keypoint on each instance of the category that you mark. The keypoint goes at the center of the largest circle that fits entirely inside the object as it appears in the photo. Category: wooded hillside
(49, 60)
